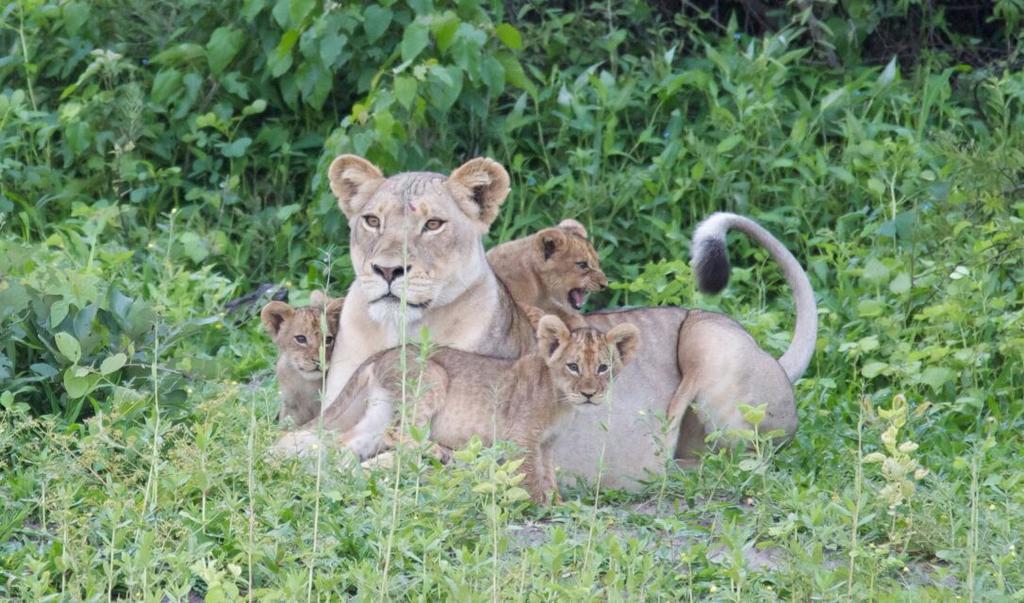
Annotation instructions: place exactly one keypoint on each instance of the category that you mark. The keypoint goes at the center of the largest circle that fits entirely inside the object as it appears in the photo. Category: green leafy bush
(159, 160)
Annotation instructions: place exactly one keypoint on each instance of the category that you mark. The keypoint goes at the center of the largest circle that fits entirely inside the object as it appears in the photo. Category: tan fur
(443, 273)
(298, 335)
(526, 401)
(553, 269)
(696, 359)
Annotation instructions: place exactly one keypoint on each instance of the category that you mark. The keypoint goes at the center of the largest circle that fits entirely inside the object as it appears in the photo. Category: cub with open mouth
(553, 269)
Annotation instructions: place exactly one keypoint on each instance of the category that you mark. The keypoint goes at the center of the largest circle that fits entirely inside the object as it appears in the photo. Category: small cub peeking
(297, 334)
(553, 269)
(525, 401)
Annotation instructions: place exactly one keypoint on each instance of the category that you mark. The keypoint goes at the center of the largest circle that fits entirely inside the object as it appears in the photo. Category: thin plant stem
(600, 473)
(404, 370)
(320, 439)
(858, 484)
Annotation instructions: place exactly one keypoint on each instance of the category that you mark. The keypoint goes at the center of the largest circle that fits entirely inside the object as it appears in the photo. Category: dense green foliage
(158, 159)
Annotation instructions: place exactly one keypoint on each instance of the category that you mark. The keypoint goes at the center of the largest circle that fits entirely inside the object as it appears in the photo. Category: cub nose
(389, 273)
(588, 395)
(602, 281)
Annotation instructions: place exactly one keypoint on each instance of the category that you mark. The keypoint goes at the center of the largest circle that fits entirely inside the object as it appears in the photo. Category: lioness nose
(389, 273)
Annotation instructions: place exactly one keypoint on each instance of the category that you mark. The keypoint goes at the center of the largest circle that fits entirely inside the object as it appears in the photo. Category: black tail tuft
(712, 266)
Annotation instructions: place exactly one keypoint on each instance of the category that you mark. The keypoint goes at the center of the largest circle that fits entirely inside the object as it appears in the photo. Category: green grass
(134, 459)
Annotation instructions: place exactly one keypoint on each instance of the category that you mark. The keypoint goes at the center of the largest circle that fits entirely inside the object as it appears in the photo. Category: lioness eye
(602, 368)
(433, 224)
(329, 340)
(573, 368)
(372, 221)
(301, 339)
(582, 265)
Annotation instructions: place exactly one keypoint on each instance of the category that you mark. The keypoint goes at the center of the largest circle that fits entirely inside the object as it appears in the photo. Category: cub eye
(328, 340)
(300, 339)
(433, 224)
(602, 369)
(372, 221)
(582, 265)
(573, 368)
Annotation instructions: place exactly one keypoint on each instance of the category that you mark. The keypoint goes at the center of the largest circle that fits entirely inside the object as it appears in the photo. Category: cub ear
(352, 178)
(334, 307)
(552, 337)
(626, 339)
(273, 316)
(480, 186)
(573, 227)
(550, 241)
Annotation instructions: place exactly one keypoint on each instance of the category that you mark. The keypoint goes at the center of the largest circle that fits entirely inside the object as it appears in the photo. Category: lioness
(297, 334)
(553, 269)
(693, 364)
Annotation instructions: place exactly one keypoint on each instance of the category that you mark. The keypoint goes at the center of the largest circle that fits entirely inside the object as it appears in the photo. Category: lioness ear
(551, 239)
(352, 180)
(480, 186)
(552, 336)
(626, 339)
(273, 316)
(573, 227)
(334, 313)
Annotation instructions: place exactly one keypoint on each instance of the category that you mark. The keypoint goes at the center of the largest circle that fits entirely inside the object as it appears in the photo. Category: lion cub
(296, 333)
(553, 269)
(525, 401)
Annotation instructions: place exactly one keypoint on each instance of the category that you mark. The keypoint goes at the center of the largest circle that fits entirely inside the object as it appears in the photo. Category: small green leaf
(75, 15)
(113, 363)
(414, 40)
(873, 369)
(68, 346)
(900, 284)
(256, 107)
(509, 36)
(514, 73)
(299, 10)
(444, 28)
(869, 308)
(223, 46)
(286, 211)
(889, 73)
(166, 83)
(729, 143)
(875, 271)
(58, 312)
(236, 148)
(405, 90)
(376, 21)
(331, 46)
(936, 376)
(78, 387)
(748, 464)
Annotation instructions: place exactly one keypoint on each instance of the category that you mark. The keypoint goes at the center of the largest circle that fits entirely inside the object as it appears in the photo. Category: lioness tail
(711, 266)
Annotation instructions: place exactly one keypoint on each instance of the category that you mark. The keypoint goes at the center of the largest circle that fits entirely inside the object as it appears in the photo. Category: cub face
(582, 361)
(568, 264)
(296, 332)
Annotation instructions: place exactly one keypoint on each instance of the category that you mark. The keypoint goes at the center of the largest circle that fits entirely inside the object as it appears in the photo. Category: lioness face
(297, 334)
(568, 264)
(581, 362)
(416, 234)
